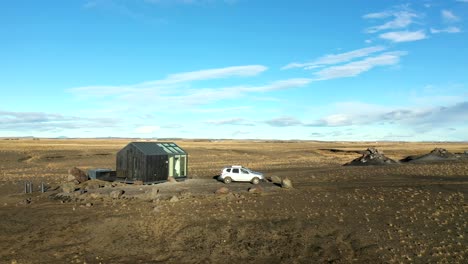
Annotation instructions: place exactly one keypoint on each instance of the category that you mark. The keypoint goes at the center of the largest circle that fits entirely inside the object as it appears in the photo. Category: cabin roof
(158, 148)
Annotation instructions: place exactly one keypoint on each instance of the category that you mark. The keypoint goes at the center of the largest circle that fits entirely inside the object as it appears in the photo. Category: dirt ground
(404, 213)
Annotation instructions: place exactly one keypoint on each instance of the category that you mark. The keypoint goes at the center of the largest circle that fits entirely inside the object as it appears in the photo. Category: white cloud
(231, 121)
(335, 58)
(284, 122)
(170, 95)
(41, 121)
(404, 36)
(401, 19)
(412, 117)
(446, 30)
(164, 86)
(146, 129)
(448, 16)
(235, 71)
(358, 67)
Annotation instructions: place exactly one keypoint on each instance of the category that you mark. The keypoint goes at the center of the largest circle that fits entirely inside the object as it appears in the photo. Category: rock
(437, 154)
(222, 190)
(79, 175)
(153, 194)
(371, 156)
(70, 178)
(174, 199)
(116, 194)
(257, 189)
(89, 204)
(286, 183)
(68, 187)
(94, 195)
(138, 182)
(275, 179)
(171, 180)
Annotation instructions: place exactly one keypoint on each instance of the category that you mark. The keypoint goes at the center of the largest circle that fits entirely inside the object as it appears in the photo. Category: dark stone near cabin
(78, 174)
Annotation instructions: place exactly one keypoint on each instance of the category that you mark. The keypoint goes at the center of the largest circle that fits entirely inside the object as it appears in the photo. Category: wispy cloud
(234, 71)
(40, 121)
(231, 121)
(283, 122)
(171, 80)
(404, 36)
(401, 19)
(335, 58)
(446, 30)
(410, 117)
(176, 89)
(449, 17)
(358, 67)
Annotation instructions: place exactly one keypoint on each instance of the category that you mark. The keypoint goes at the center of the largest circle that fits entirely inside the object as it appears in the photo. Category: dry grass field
(404, 213)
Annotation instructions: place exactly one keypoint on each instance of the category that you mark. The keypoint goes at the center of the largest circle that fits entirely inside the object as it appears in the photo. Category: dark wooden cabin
(151, 162)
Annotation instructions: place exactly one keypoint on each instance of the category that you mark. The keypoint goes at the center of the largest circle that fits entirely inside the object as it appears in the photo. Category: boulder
(275, 179)
(222, 190)
(174, 199)
(171, 180)
(286, 183)
(153, 194)
(116, 194)
(138, 183)
(69, 187)
(78, 174)
(257, 189)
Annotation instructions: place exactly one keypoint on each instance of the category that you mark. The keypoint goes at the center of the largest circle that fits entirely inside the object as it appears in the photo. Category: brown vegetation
(374, 214)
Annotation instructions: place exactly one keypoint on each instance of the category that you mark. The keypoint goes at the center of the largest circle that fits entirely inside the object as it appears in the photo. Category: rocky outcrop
(371, 156)
(437, 154)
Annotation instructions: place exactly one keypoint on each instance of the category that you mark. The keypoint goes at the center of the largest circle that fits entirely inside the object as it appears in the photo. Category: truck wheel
(227, 180)
(255, 180)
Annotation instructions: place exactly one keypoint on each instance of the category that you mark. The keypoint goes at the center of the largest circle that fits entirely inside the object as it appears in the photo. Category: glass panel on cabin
(183, 166)
(171, 166)
(177, 166)
(179, 150)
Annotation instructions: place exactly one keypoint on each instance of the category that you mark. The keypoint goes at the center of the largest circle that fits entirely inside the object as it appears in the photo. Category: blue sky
(312, 70)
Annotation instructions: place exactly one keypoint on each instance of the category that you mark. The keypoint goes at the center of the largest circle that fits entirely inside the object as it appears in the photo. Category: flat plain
(404, 213)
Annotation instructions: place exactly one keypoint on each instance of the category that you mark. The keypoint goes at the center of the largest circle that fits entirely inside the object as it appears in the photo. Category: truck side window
(235, 170)
(228, 170)
(244, 171)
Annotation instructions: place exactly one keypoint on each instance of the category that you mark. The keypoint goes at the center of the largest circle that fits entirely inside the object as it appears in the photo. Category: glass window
(235, 170)
(245, 171)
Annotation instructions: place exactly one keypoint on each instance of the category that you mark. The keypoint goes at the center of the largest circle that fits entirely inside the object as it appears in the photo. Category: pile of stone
(437, 154)
(371, 156)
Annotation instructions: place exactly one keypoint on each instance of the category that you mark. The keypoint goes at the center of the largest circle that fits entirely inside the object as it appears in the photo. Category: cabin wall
(157, 168)
(131, 164)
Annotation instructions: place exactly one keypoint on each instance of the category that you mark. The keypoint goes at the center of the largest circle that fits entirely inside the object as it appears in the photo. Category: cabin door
(171, 166)
(176, 166)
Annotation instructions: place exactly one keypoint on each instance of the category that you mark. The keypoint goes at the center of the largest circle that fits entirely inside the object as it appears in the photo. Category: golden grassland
(405, 213)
